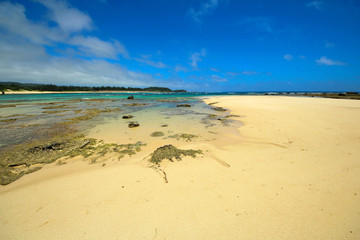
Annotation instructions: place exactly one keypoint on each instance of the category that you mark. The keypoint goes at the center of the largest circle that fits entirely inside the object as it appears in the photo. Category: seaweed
(7, 105)
(184, 136)
(170, 152)
(21, 160)
(213, 103)
(9, 120)
(58, 106)
(157, 134)
(89, 114)
(135, 104)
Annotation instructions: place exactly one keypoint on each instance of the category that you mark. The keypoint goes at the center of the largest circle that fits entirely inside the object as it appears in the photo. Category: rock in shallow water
(220, 109)
(183, 105)
(127, 116)
(133, 124)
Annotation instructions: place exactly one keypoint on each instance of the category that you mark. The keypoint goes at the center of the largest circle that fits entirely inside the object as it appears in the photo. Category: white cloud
(250, 73)
(326, 61)
(205, 9)
(13, 20)
(217, 78)
(247, 73)
(179, 68)
(197, 57)
(42, 33)
(158, 64)
(288, 57)
(315, 4)
(69, 19)
(30, 63)
(92, 46)
(25, 47)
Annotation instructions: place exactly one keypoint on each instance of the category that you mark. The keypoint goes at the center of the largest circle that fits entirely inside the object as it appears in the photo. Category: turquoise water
(19, 98)
(31, 117)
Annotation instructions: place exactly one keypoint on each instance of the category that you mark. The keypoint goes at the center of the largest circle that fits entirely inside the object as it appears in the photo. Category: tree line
(14, 86)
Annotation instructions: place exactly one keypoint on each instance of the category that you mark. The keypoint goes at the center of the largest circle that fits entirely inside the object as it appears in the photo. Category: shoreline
(334, 95)
(292, 173)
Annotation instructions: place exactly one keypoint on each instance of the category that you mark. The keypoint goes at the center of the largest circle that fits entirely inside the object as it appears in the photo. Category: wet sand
(291, 172)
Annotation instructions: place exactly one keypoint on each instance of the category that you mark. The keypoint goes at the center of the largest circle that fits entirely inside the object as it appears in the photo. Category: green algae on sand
(170, 152)
(184, 136)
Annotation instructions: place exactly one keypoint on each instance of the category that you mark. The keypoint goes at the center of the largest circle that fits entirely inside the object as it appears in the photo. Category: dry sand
(293, 173)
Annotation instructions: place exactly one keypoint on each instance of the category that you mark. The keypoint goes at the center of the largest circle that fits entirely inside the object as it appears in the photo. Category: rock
(135, 104)
(213, 103)
(127, 116)
(183, 105)
(220, 109)
(130, 97)
(133, 124)
(164, 125)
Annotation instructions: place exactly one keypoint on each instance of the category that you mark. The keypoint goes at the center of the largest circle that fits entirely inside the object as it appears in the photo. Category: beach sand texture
(293, 172)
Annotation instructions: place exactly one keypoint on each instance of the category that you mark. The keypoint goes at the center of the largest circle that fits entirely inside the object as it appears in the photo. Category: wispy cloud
(247, 73)
(263, 24)
(315, 4)
(14, 21)
(197, 57)
(31, 63)
(250, 73)
(214, 69)
(27, 50)
(149, 62)
(92, 46)
(288, 57)
(328, 62)
(180, 68)
(69, 19)
(216, 78)
(205, 9)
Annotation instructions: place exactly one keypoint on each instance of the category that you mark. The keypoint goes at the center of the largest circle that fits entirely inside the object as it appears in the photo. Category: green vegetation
(28, 158)
(157, 134)
(184, 136)
(170, 152)
(15, 86)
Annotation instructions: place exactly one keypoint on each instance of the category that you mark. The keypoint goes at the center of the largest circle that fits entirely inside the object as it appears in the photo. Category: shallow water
(26, 118)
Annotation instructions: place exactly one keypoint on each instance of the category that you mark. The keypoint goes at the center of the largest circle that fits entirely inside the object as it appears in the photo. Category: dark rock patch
(135, 104)
(133, 124)
(219, 109)
(183, 105)
(127, 116)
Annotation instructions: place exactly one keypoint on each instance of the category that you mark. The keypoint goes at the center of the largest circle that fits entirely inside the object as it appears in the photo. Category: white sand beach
(292, 172)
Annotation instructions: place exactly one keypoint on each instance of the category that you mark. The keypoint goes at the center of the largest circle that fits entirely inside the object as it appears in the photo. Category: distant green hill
(15, 86)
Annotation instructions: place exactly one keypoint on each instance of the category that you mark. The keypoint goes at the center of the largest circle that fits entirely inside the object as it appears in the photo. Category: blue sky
(198, 45)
